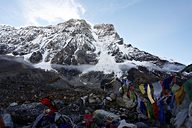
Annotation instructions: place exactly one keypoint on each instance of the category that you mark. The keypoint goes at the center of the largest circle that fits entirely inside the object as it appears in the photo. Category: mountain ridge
(76, 43)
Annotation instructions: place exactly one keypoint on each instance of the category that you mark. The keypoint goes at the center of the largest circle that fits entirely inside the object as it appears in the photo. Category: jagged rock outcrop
(4, 49)
(36, 57)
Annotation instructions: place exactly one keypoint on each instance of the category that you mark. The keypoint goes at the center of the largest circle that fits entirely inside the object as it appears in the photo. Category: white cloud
(44, 12)
(115, 5)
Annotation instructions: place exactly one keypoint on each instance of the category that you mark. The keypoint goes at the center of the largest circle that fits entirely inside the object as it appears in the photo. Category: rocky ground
(22, 86)
(32, 85)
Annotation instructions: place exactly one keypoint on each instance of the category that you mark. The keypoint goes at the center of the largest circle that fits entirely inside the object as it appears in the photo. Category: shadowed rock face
(19, 81)
(187, 69)
(36, 57)
(143, 75)
(4, 49)
(12, 64)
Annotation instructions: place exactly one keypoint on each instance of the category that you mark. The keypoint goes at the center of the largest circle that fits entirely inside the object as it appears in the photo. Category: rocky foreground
(107, 109)
(22, 87)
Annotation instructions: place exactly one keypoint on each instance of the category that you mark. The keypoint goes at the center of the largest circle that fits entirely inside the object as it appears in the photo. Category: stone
(25, 113)
(36, 57)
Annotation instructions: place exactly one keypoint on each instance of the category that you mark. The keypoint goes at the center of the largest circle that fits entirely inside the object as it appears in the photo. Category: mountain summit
(75, 43)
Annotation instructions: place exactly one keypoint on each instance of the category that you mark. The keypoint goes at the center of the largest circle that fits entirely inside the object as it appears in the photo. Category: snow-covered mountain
(75, 43)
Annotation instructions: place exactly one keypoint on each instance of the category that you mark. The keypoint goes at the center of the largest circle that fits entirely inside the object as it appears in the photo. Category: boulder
(25, 113)
(93, 99)
(124, 124)
(5, 48)
(101, 116)
(125, 102)
(36, 57)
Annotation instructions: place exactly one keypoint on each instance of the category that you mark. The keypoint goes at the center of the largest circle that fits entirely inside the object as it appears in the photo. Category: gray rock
(36, 57)
(5, 49)
(93, 99)
(120, 42)
(101, 116)
(141, 125)
(25, 113)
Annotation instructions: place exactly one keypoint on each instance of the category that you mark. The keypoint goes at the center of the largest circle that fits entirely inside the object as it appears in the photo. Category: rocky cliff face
(187, 71)
(60, 44)
(73, 42)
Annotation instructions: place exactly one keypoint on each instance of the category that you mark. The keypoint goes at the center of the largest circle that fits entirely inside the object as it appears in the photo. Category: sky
(160, 27)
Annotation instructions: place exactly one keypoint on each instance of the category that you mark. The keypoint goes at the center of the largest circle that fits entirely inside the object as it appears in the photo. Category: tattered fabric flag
(190, 112)
(142, 88)
(150, 110)
(167, 84)
(157, 90)
(180, 118)
(174, 88)
(188, 88)
(161, 112)
(143, 108)
(156, 110)
(179, 95)
(149, 94)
